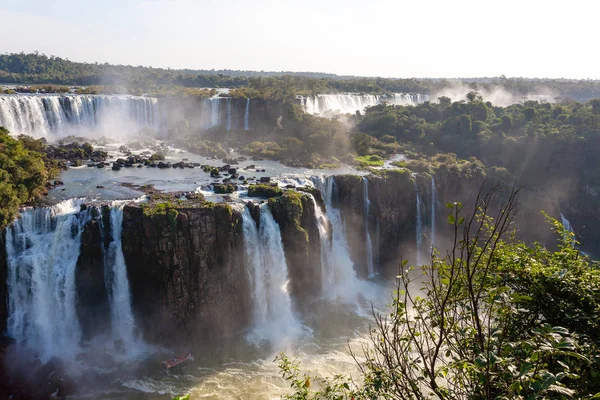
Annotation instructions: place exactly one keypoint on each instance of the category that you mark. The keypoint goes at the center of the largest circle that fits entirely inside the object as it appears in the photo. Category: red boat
(174, 361)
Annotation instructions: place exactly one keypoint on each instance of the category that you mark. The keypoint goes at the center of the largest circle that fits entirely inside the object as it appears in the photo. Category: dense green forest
(35, 68)
(24, 171)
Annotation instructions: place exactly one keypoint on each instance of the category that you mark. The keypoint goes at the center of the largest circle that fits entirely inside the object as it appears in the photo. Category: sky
(418, 38)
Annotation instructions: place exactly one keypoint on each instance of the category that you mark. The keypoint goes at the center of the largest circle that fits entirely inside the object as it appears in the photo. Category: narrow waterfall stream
(340, 281)
(274, 319)
(123, 323)
(419, 225)
(369, 243)
(228, 126)
(247, 115)
(433, 209)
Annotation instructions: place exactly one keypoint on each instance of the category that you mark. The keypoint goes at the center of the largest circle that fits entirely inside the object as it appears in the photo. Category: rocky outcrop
(295, 214)
(186, 272)
(93, 308)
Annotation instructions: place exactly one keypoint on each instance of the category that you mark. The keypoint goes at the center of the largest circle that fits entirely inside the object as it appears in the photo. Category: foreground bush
(494, 319)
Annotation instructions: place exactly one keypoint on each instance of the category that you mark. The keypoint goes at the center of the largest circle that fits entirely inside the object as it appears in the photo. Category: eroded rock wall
(187, 273)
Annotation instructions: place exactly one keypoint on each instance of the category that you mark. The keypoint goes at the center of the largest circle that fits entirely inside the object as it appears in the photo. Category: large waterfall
(273, 316)
(340, 281)
(350, 103)
(42, 248)
(42, 251)
(117, 283)
(369, 243)
(60, 115)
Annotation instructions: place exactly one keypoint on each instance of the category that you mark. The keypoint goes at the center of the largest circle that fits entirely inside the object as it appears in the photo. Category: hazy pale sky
(417, 38)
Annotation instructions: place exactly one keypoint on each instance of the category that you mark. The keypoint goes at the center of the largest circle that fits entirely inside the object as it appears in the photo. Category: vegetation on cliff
(262, 190)
(24, 171)
(494, 318)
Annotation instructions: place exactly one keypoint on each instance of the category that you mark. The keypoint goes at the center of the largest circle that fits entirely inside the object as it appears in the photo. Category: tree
(463, 327)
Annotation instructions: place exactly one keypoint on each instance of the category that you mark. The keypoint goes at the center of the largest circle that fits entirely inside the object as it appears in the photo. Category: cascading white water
(419, 225)
(215, 112)
(433, 208)
(42, 248)
(247, 115)
(123, 323)
(228, 127)
(52, 115)
(565, 222)
(368, 244)
(339, 278)
(350, 102)
(273, 317)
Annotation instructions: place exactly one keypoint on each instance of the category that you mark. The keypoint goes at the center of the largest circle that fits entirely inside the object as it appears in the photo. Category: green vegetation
(492, 319)
(369, 161)
(266, 191)
(24, 171)
(38, 68)
(223, 188)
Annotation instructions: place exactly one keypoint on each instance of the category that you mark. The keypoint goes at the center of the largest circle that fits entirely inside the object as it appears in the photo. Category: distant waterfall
(123, 324)
(350, 103)
(42, 248)
(339, 278)
(273, 316)
(228, 114)
(368, 244)
(419, 225)
(433, 207)
(247, 115)
(61, 115)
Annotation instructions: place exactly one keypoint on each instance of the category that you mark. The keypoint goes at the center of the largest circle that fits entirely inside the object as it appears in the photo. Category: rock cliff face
(295, 215)
(391, 217)
(92, 299)
(263, 114)
(3, 283)
(186, 273)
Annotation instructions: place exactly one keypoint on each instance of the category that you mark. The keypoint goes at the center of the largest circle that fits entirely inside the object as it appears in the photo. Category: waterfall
(419, 223)
(565, 222)
(368, 244)
(351, 102)
(215, 116)
(433, 207)
(273, 316)
(228, 113)
(123, 324)
(339, 278)
(60, 115)
(42, 248)
(247, 115)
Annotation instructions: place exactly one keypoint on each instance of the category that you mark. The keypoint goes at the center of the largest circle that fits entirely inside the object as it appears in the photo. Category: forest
(36, 68)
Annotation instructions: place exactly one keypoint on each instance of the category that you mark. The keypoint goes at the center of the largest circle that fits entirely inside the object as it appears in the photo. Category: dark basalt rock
(93, 308)
(295, 215)
(265, 179)
(187, 273)
(3, 282)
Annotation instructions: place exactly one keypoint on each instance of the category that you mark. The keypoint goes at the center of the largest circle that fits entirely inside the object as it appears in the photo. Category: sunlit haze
(425, 38)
